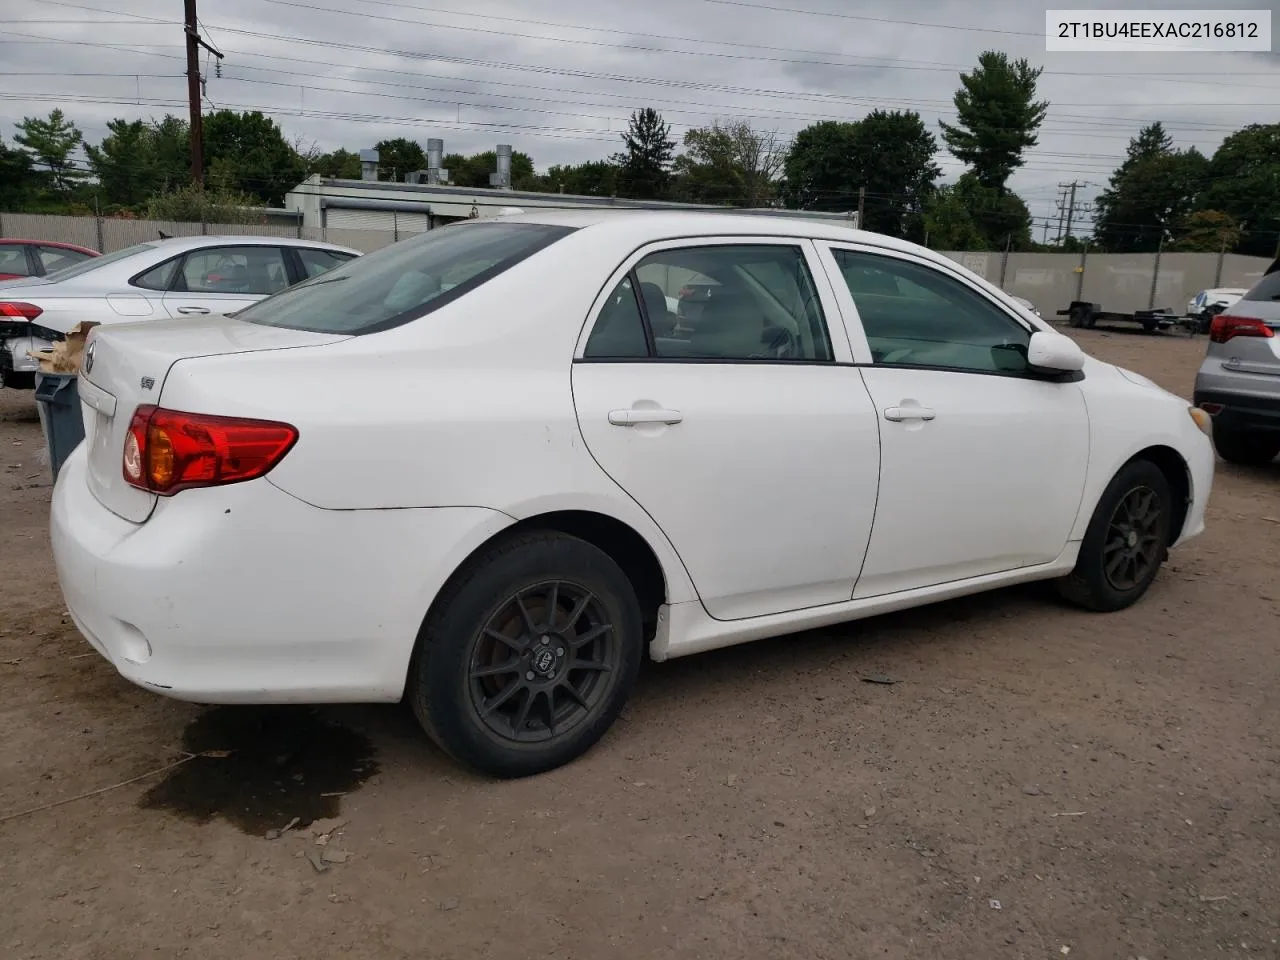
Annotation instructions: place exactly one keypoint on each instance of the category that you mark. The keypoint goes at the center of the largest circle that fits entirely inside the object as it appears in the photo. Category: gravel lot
(1040, 782)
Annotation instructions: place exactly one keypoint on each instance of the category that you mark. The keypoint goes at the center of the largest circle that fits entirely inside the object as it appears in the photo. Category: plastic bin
(58, 400)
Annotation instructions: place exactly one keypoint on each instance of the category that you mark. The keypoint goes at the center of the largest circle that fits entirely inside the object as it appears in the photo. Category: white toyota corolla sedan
(488, 468)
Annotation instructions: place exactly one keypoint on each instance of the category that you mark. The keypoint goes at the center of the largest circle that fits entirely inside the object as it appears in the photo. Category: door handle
(629, 418)
(898, 414)
(193, 309)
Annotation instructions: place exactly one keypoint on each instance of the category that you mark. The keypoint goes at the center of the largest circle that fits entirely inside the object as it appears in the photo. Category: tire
(1095, 583)
(1079, 316)
(491, 680)
(17, 381)
(1150, 326)
(1246, 449)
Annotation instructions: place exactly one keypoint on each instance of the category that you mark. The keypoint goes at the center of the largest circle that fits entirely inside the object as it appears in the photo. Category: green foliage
(728, 163)
(1150, 192)
(1207, 231)
(971, 216)
(247, 153)
(998, 117)
(1243, 181)
(340, 164)
(51, 142)
(16, 178)
(398, 157)
(596, 178)
(138, 159)
(187, 204)
(473, 171)
(890, 153)
(644, 166)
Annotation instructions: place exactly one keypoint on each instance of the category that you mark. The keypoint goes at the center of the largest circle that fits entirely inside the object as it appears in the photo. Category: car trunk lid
(125, 367)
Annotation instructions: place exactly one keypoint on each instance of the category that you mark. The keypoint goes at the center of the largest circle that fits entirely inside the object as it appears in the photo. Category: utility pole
(195, 89)
(1066, 208)
(862, 202)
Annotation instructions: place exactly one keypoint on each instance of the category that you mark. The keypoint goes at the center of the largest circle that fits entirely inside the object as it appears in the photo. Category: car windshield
(93, 263)
(404, 281)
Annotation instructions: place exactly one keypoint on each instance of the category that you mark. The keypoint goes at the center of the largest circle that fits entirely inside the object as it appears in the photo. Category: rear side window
(404, 281)
(13, 260)
(316, 262)
(1268, 288)
(54, 259)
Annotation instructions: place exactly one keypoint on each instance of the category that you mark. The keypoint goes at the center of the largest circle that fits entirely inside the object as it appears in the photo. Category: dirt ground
(1040, 782)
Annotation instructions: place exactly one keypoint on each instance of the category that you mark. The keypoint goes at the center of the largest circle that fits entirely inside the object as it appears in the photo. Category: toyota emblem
(88, 356)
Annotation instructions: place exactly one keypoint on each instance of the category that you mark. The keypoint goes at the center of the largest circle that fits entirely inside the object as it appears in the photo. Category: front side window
(917, 316)
(249, 270)
(406, 280)
(739, 302)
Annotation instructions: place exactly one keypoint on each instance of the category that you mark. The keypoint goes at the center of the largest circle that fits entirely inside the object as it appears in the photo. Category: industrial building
(425, 199)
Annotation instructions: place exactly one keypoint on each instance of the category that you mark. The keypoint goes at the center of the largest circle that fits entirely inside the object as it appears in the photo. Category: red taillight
(1224, 326)
(166, 450)
(17, 310)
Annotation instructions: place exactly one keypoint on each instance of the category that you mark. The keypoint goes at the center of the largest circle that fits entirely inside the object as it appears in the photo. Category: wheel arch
(1177, 471)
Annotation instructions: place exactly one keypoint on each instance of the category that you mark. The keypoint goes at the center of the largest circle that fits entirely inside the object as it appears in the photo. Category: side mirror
(1054, 353)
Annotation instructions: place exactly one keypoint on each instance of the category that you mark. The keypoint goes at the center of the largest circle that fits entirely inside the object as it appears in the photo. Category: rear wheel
(529, 655)
(1246, 449)
(1125, 543)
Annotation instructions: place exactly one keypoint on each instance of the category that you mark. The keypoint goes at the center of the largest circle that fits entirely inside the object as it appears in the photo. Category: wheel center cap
(1132, 539)
(543, 662)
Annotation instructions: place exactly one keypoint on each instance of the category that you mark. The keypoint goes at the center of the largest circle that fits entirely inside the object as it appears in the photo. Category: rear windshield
(404, 281)
(1268, 288)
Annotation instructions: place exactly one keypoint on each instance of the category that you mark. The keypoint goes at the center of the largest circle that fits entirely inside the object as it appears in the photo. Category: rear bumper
(1243, 412)
(244, 594)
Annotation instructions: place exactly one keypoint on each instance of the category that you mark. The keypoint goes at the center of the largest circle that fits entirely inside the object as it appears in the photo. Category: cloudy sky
(558, 78)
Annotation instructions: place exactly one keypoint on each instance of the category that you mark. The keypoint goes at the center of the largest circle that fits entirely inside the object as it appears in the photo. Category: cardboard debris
(66, 354)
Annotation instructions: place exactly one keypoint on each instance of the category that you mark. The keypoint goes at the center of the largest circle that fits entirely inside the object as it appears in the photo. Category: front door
(739, 432)
(982, 464)
(221, 280)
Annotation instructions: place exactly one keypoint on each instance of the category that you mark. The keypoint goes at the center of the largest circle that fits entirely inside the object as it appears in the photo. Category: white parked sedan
(535, 476)
(178, 277)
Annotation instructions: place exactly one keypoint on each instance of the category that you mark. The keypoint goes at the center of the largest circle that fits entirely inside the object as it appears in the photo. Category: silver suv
(1239, 381)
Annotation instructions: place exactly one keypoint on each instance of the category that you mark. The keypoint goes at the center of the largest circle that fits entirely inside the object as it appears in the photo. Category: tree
(889, 153)
(644, 167)
(398, 157)
(998, 117)
(247, 153)
(729, 163)
(1151, 191)
(17, 180)
(1243, 181)
(473, 171)
(596, 178)
(1207, 231)
(138, 159)
(339, 164)
(50, 143)
(969, 215)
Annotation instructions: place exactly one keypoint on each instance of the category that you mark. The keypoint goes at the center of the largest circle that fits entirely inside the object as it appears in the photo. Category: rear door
(746, 433)
(224, 279)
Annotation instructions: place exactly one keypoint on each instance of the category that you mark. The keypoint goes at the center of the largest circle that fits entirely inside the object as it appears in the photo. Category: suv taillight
(1224, 326)
(17, 310)
(166, 450)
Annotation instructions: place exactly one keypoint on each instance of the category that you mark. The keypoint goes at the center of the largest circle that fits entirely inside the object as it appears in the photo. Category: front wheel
(528, 656)
(1246, 449)
(1125, 543)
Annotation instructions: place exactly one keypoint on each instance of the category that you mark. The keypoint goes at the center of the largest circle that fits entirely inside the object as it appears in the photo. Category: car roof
(691, 223)
(240, 240)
